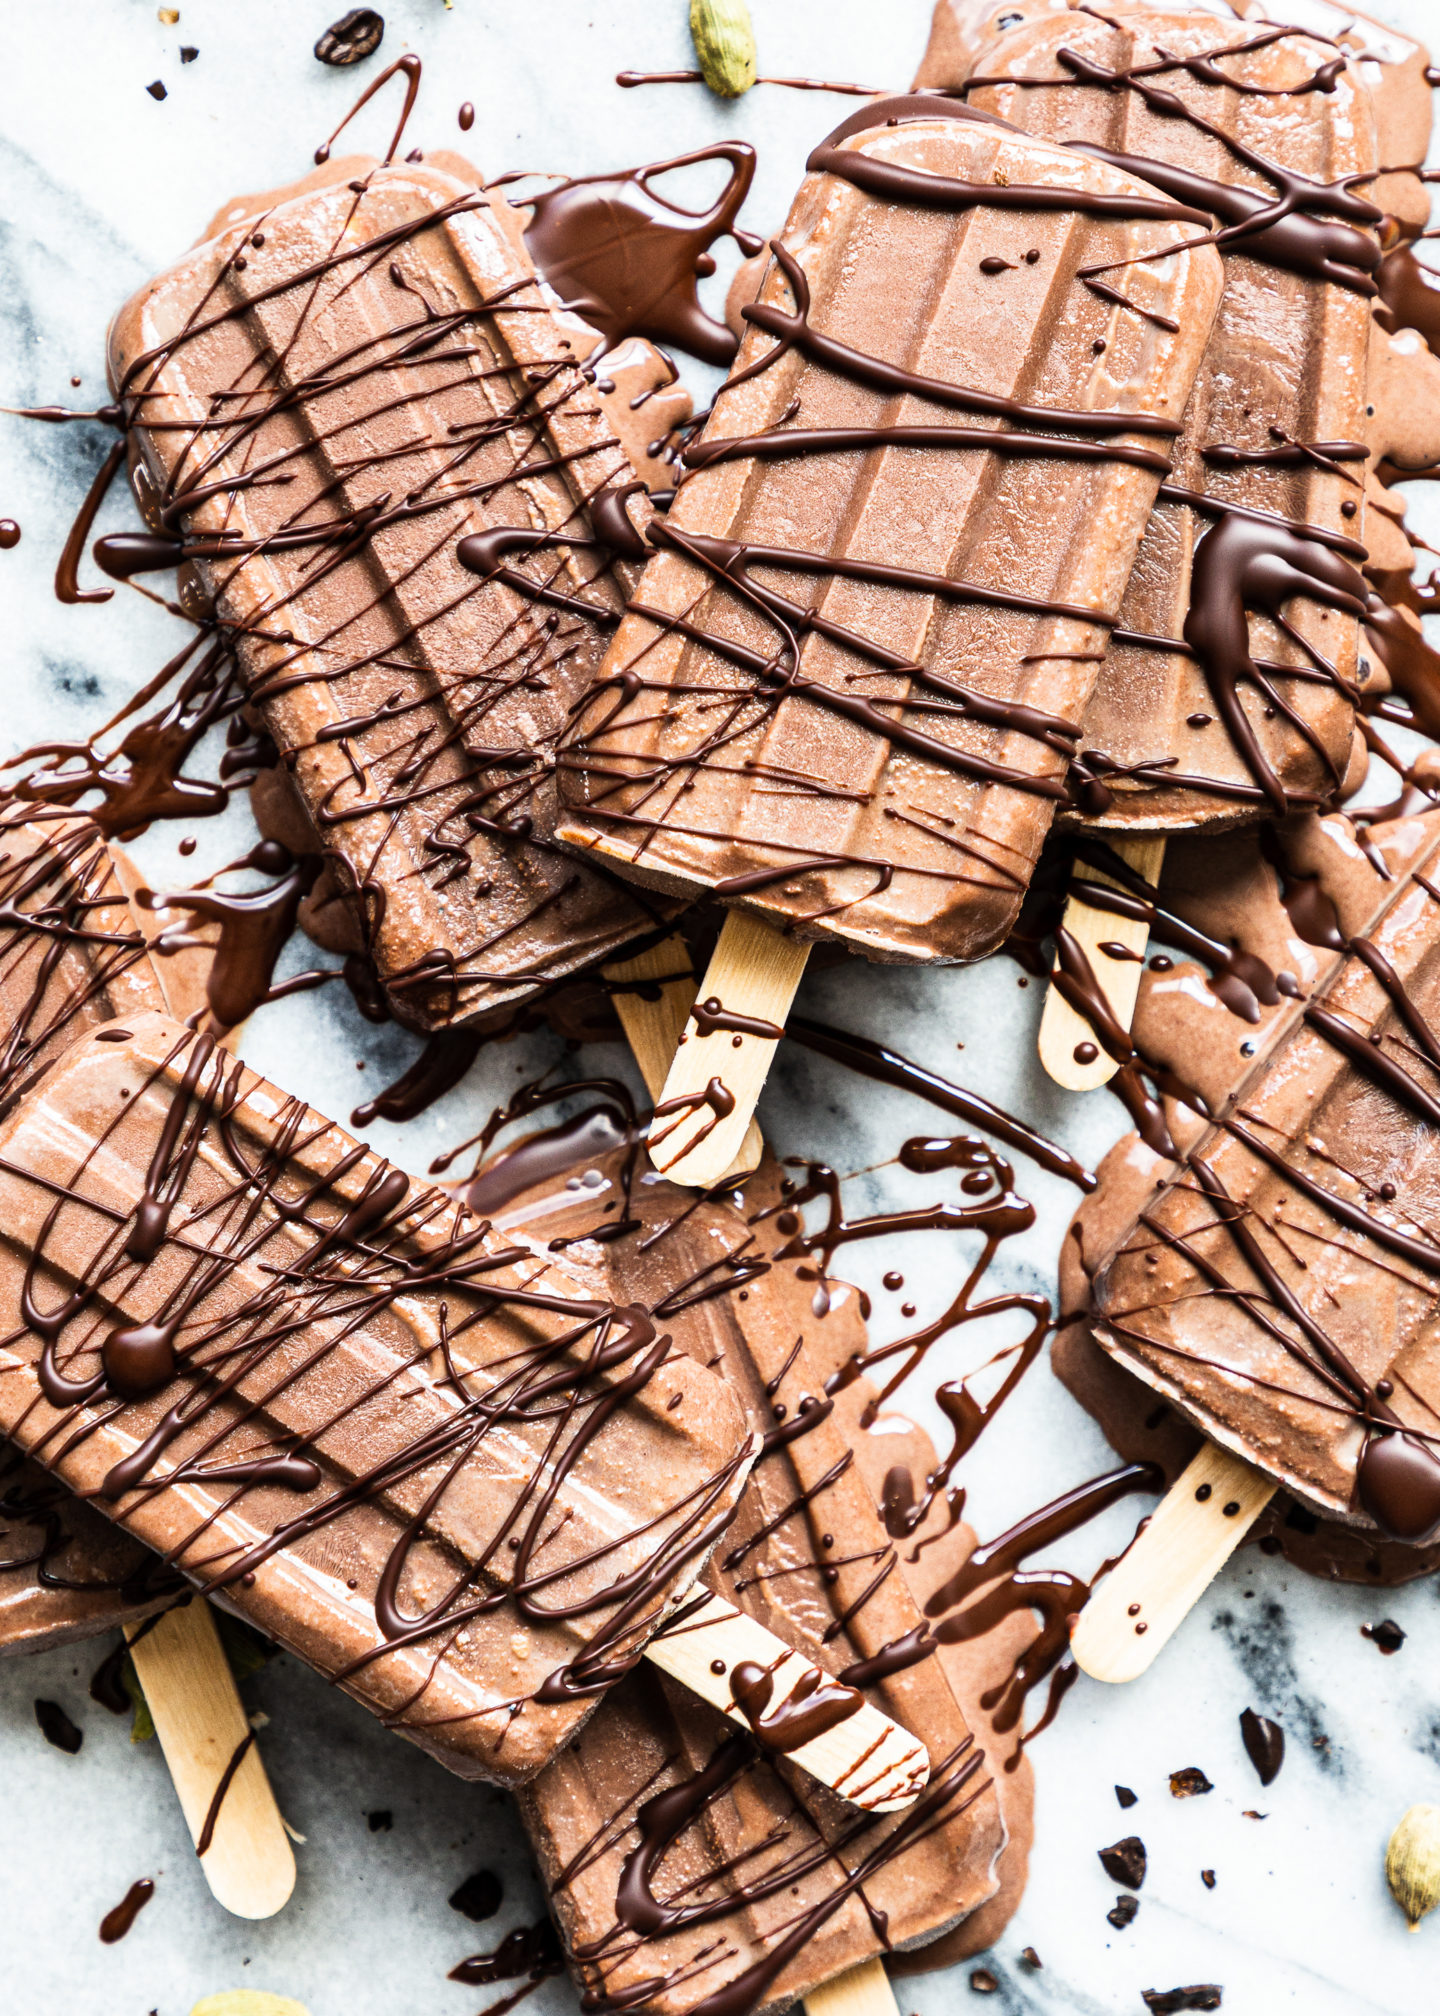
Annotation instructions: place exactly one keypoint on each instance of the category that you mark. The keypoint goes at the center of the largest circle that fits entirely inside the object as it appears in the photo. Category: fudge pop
(73, 955)
(685, 1862)
(1229, 684)
(74, 951)
(1252, 923)
(846, 692)
(411, 1451)
(66, 1572)
(323, 399)
(1279, 1288)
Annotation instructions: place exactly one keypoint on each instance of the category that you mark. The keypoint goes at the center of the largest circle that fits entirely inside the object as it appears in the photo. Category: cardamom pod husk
(725, 44)
(1412, 1863)
(248, 2002)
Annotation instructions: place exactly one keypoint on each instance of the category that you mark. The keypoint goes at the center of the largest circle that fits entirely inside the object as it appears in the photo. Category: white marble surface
(101, 185)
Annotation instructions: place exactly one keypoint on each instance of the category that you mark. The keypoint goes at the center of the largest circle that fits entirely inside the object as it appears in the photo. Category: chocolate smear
(115, 1924)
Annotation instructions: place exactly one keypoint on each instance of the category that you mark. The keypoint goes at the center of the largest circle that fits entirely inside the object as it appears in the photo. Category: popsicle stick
(709, 1096)
(860, 1991)
(195, 1706)
(653, 1028)
(866, 1758)
(1146, 1597)
(1063, 1032)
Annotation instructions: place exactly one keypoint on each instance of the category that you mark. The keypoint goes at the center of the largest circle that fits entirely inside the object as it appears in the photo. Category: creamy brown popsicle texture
(1143, 1428)
(1228, 687)
(1281, 1288)
(66, 1572)
(1273, 901)
(73, 955)
(339, 386)
(1273, 907)
(1392, 67)
(845, 693)
(414, 1453)
(74, 952)
(694, 1862)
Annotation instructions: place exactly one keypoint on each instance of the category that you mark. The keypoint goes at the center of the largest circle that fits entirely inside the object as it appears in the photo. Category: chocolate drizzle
(1396, 1466)
(283, 1230)
(1248, 563)
(777, 654)
(626, 258)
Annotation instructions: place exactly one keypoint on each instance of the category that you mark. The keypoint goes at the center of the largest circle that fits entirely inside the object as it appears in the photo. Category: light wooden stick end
(860, 1991)
(719, 1070)
(1151, 1590)
(202, 1728)
(1063, 1032)
(718, 1652)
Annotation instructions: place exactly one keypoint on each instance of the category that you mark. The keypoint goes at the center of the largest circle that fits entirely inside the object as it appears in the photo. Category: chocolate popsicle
(1229, 684)
(1142, 1428)
(412, 1452)
(743, 1887)
(325, 397)
(1279, 1289)
(845, 693)
(74, 952)
(73, 955)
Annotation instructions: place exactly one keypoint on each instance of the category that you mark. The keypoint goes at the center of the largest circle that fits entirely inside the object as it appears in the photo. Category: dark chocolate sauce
(626, 258)
(117, 1922)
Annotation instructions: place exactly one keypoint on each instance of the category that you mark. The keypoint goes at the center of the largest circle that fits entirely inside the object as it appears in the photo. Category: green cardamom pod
(725, 44)
(1412, 1863)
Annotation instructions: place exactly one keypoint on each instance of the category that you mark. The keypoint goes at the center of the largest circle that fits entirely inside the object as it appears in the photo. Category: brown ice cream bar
(1143, 1428)
(74, 952)
(1392, 67)
(1228, 689)
(1246, 927)
(67, 1573)
(683, 1855)
(326, 397)
(846, 692)
(1280, 1288)
(73, 955)
(413, 1452)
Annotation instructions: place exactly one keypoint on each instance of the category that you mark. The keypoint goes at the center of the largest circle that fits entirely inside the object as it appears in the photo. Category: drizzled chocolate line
(431, 791)
(1315, 230)
(264, 1291)
(795, 332)
(1398, 1473)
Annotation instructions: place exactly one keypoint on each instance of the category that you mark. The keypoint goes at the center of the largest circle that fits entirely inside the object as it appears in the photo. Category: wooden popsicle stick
(866, 1758)
(653, 1028)
(860, 1991)
(195, 1706)
(1192, 1533)
(1062, 1030)
(709, 1096)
